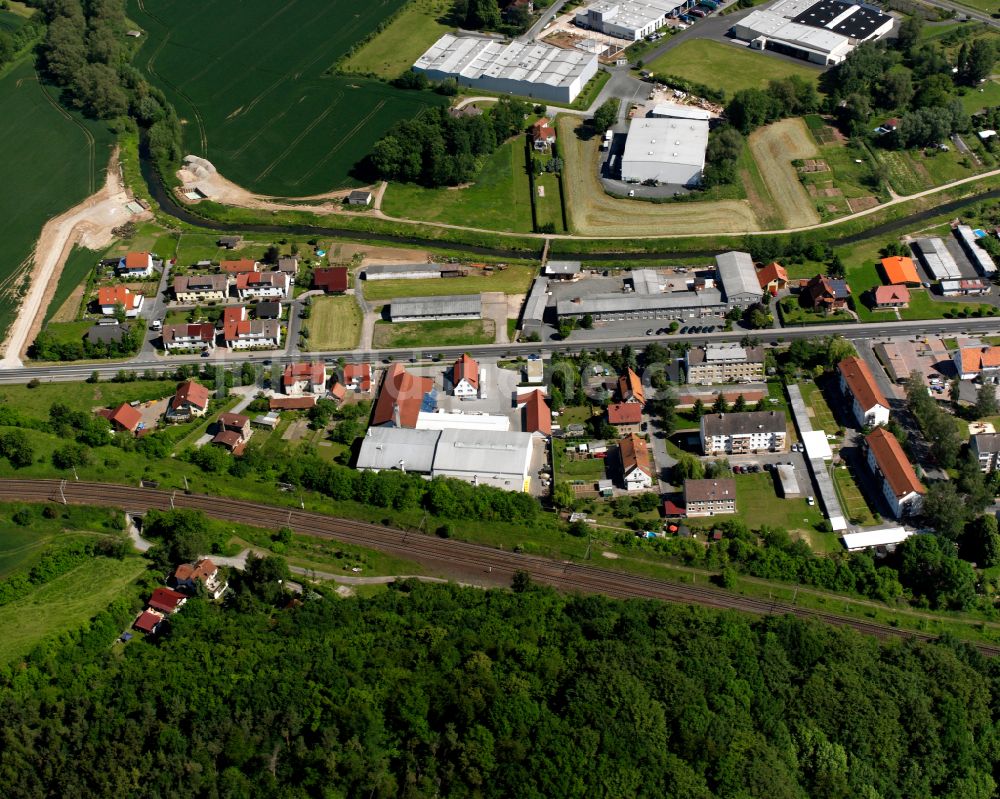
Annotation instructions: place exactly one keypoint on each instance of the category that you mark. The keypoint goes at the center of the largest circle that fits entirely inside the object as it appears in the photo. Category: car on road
(683, 330)
(649, 332)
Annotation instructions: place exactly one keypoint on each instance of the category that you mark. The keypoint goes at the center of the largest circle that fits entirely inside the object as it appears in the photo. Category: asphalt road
(465, 561)
(77, 372)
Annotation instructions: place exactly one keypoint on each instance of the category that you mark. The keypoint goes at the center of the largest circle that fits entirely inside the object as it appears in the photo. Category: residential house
(358, 377)
(709, 497)
(136, 265)
(626, 417)
(268, 309)
(900, 486)
(543, 135)
(465, 377)
(825, 294)
(973, 362)
(900, 271)
(743, 433)
(773, 278)
(241, 266)
(188, 336)
(891, 297)
(630, 388)
(304, 378)
(262, 285)
(110, 298)
(166, 600)
(724, 363)
(190, 401)
(149, 622)
(965, 287)
(400, 399)
(338, 391)
(332, 280)
(232, 432)
(857, 383)
(637, 468)
(187, 576)
(289, 265)
(986, 448)
(125, 418)
(241, 333)
(106, 334)
(537, 414)
(360, 197)
(194, 289)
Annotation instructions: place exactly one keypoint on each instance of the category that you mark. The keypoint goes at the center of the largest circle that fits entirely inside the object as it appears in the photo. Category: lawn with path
(499, 198)
(255, 91)
(446, 333)
(726, 67)
(64, 603)
(334, 323)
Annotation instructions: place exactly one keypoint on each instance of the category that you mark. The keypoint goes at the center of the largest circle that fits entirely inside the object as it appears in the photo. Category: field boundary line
(341, 142)
(91, 155)
(294, 143)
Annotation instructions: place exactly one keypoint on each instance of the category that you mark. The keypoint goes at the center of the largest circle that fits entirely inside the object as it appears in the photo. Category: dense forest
(443, 691)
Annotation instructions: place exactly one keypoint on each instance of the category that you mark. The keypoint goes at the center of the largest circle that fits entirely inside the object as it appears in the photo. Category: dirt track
(774, 148)
(88, 224)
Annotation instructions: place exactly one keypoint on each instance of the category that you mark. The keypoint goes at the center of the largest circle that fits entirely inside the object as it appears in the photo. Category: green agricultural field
(76, 269)
(449, 333)
(334, 324)
(511, 280)
(255, 92)
(500, 198)
(403, 41)
(54, 159)
(726, 66)
(64, 603)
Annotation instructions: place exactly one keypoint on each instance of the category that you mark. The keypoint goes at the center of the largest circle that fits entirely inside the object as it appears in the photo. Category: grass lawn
(76, 269)
(514, 279)
(985, 96)
(794, 314)
(64, 603)
(585, 469)
(403, 41)
(822, 417)
(548, 204)
(334, 323)
(498, 199)
(22, 545)
(757, 501)
(447, 333)
(725, 66)
(853, 501)
(82, 396)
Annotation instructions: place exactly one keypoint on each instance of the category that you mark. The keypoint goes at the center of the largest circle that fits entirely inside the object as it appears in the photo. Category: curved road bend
(449, 556)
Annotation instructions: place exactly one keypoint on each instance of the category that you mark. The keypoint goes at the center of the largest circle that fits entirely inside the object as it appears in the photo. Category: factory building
(626, 19)
(667, 150)
(528, 69)
(938, 261)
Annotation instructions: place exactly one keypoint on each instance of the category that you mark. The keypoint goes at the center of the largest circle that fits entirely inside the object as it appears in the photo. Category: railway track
(445, 554)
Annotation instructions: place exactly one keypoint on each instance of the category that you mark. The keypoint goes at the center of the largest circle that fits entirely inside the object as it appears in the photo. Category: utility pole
(62, 491)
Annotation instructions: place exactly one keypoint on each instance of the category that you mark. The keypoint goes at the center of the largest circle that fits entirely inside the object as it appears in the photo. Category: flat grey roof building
(495, 458)
(725, 353)
(398, 448)
(728, 424)
(939, 262)
(638, 306)
(534, 307)
(738, 277)
(401, 271)
(562, 268)
(418, 309)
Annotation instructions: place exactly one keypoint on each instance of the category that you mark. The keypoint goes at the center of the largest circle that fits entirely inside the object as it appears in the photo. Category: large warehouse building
(428, 309)
(823, 32)
(531, 69)
(666, 150)
(627, 19)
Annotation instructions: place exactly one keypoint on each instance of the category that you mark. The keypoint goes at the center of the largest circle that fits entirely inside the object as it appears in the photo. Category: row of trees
(425, 691)
(13, 43)
(48, 347)
(437, 149)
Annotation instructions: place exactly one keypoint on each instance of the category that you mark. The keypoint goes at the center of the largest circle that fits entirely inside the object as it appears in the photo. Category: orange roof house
(900, 270)
(624, 413)
(895, 296)
(465, 376)
(399, 401)
(630, 388)
(239, 266)
(900, 485)
(358, 376)
(972, 362)
(537, 415)
(125, 417)
(773, 277)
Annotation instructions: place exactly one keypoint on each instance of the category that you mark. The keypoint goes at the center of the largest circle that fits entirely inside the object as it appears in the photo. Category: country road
(454, 558)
